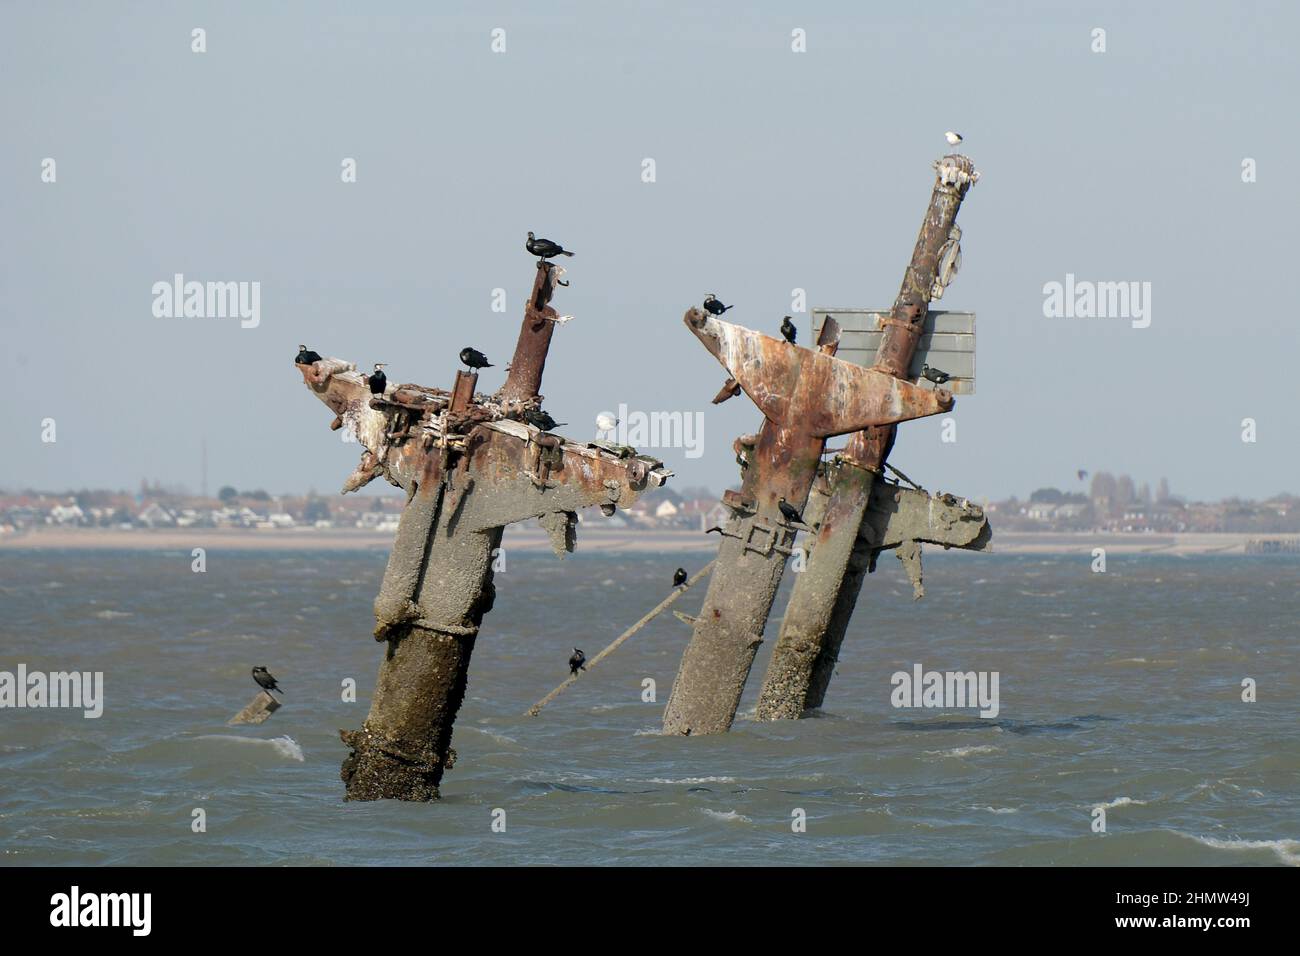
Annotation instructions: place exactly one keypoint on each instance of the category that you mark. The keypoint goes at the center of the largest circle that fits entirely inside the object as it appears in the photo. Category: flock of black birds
(472, 358)
(377, 381)
(789, 332)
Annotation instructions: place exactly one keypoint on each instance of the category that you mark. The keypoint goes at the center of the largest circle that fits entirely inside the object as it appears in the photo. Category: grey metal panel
(948, 342)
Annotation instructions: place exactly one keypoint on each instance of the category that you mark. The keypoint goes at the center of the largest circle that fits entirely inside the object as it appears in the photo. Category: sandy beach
(589, 539)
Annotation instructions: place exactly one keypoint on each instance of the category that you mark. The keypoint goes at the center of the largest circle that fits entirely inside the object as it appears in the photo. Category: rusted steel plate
(816, 393)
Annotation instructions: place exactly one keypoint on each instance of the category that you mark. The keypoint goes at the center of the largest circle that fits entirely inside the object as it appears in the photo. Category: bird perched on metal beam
(679, 577)
(265, 680)
(578, 662)
(788, 330)
(306, 356)
(541, 419)
(938, 376)
(544, 248)
(713, 306)
(789, 511)
(473, 358)
(377, 380)
(953, 139)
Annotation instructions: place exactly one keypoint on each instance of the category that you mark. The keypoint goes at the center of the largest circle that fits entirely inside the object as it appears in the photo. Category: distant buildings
(1111, 505)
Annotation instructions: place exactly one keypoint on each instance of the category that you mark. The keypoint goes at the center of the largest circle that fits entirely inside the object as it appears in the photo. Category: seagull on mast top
(952, 138)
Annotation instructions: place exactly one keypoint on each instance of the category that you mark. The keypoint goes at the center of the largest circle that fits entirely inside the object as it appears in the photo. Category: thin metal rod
(659, 609)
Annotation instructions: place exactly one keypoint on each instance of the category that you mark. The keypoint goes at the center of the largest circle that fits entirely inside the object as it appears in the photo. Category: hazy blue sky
(775, 170)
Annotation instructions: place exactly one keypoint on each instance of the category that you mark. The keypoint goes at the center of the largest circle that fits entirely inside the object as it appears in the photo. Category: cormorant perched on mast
(541, 419)
(544, 248)
(713, 306)
(790, 512)
(788, 330)
(938, 376)
(473, 358)
(306, 356)
(377, 380)
(578, 662)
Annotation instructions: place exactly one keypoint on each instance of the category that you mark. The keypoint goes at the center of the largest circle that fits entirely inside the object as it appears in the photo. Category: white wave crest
(284, 746)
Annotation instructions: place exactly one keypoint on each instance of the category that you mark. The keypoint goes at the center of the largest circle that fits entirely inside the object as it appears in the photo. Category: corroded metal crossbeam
(806, 396)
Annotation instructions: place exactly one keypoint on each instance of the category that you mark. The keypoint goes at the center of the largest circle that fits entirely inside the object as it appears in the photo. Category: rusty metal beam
(524, 380)
(806, 396)
(848, 539)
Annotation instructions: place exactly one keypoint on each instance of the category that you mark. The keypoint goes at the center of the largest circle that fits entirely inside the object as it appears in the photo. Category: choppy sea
(1120, 691)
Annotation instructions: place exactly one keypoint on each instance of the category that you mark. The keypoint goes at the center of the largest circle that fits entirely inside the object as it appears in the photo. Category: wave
(1288, 851)
(285, 746)
(110, 615)
(730, 816)
(692, 780)
(965, 751)
(1121, 802)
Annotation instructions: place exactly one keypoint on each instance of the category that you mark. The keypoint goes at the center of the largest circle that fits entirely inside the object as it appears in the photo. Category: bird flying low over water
(788, 330)
(541, 419)
(679, 577)
(474, 358)
(377, 380)
(306, 356)
(790, 512)
(265, 680)
(713, 306)
(938, 376)
(544, 248)
(952, 138)
(578, 662)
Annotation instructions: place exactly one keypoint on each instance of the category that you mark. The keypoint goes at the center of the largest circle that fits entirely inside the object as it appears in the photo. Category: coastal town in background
(1100, 503)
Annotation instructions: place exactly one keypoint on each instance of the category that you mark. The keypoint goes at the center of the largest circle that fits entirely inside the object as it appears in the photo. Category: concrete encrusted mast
(807, 396)
(861, 514)
(469, 468)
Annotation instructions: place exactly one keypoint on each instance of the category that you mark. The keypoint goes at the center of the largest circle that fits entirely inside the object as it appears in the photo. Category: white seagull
(952, 138)
(606, 422)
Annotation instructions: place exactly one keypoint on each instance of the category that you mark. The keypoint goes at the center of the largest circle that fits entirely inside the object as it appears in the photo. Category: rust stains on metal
(811, 391)
(469, 468)
(524, 379)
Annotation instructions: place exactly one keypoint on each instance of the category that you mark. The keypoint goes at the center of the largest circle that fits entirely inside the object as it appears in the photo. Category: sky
(774, 170)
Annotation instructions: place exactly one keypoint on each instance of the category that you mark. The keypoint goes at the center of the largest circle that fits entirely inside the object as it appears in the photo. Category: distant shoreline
(589, 539)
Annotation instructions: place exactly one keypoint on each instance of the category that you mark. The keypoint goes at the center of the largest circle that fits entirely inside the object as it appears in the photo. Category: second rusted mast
(861, 514)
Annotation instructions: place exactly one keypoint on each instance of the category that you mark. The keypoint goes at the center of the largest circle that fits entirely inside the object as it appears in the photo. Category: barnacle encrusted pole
(806, 396)
(469, 467)
(861, 514)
